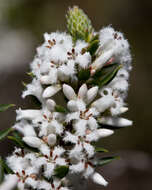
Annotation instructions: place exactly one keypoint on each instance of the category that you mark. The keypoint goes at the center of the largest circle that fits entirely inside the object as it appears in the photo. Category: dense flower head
(81, 92)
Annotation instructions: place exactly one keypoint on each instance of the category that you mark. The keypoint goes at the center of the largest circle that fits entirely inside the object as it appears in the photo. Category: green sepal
(4, 107)
(105, 75)
(24, 83)
(1, 171)
(92, 47)
(106, 160)
(100, 149)
(60, 109)
(84, 74)
(61, 171)
(5, 133)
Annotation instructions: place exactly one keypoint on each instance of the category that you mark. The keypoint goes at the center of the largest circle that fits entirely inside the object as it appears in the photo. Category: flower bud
(97, 178)
(104, 132)
(82, 91)
(51, 139)
(72, 105)
(104, 103)
(102, 59)
(50, 91)
(34, 142)
(91, 94)
(114, 121)
(50, 104)
(69, 92)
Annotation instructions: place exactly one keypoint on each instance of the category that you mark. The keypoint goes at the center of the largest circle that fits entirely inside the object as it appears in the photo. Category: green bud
(79, 25)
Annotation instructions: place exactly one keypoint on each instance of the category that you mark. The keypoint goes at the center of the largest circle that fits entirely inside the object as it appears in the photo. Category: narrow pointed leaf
(1, 170)
(4, 107)
(84, 74)
(5, 133)
(6, 168)
(61, 171)
(105, 75)
(17, 139)
(99, 149)
(106, 160)
(92, 48)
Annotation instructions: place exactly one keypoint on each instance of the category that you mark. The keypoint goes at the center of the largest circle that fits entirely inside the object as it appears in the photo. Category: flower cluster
(81, 91)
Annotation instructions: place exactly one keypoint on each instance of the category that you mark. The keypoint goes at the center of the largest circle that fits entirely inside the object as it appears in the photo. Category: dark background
(22, 24)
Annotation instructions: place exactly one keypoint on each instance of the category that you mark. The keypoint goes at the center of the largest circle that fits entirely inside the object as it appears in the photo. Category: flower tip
(98, 179)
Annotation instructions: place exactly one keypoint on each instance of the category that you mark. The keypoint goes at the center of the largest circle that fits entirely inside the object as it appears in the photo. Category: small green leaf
(16, 141)
(1, 170)
(31, 74)
(84, 74)
(106, 160)
(4, 107)
(95, 37)
(61, 171)
(60, 109)
(99, 149)
(105, 75)
(92, 48)
(4, 133)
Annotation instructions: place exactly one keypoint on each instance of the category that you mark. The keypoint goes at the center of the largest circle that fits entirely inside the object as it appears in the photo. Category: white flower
(34, 88)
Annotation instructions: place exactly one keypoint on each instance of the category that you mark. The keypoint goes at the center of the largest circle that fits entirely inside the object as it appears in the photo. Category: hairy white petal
(77, 168)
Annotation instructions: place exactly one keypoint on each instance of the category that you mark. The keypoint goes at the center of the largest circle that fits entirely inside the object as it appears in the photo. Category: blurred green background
(22, 24)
